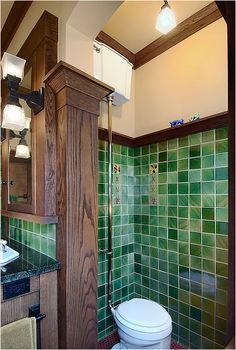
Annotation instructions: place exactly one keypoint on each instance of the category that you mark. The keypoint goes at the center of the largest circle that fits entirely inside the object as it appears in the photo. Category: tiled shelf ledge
(30, 217)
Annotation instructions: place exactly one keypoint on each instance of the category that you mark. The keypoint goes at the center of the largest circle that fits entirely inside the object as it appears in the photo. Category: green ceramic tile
(208, 174)
(183, 176)
(183, 164)
(222, 146)
(195, 139)
(195, 163)
(208, 136)
(208, 161)
(208, 148)
(221, 133)
(183, 153)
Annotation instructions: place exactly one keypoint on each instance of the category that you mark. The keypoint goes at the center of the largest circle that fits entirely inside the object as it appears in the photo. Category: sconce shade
(13, 117)
(165, 20)
(22, 151)
(27, 123)
(12, 65)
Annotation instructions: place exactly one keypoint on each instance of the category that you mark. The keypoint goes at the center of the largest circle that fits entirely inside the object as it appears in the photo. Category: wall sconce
(166, 19)
(22, 149)
(13, 113)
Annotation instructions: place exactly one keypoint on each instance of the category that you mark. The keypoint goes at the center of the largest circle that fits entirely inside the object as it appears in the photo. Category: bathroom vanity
(29, 288)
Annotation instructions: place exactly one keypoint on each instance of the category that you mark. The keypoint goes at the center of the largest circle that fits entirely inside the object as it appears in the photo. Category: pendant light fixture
(166, 19)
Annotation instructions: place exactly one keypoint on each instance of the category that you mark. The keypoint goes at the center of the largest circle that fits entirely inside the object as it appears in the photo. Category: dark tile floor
(113, 338)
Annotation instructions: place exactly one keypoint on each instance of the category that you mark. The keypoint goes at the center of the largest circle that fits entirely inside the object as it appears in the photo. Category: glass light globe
(13, 117)
(22, 151)
(165, 20)
(12, 65)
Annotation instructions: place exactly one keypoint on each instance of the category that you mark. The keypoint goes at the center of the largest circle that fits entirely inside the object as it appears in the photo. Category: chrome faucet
(3, 244)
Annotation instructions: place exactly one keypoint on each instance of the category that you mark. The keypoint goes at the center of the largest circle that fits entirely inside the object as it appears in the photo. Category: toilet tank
(113, 69)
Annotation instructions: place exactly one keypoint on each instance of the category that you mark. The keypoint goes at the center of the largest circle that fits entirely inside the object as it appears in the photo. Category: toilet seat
(143, 315)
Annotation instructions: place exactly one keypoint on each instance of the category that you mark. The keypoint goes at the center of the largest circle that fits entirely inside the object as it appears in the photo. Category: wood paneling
(109, 41)
(76, 101)
(48, 306)
(204, 124)
(227, 9)
(18, 308)
(46, 29)
(30, 217)
(191, 25)
(43, 291)
(13, 21)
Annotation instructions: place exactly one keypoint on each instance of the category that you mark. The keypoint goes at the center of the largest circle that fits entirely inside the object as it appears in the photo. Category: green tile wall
(175, 222)
(181, 240)
(123, 234)
(40, 237)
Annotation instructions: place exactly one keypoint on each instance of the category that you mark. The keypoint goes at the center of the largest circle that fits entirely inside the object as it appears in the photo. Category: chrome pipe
(109, 253)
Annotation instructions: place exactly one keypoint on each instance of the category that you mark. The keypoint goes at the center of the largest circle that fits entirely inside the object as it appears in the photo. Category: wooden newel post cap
(70, 84)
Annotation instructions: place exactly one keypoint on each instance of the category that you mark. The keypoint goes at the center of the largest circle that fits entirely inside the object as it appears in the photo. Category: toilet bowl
(142, 324)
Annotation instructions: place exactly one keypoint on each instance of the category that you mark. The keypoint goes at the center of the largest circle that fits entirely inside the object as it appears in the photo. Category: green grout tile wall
(41, 237)
(123, 234)
(173, 215)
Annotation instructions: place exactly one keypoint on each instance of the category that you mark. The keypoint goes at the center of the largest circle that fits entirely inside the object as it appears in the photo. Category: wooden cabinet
(43, 291)
(29, 185)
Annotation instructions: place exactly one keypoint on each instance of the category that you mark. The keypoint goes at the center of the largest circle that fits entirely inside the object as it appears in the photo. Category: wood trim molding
(183, 30)
(204, 124)
(30, 217)
(117, 138)
(13, 21)
(109, 41)
(211, 122)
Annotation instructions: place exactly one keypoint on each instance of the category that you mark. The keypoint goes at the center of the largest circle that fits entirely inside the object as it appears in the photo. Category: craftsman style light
(13, 114)
(22, 149)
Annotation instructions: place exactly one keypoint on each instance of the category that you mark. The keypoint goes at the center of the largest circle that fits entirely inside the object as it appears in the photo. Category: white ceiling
(133, 24)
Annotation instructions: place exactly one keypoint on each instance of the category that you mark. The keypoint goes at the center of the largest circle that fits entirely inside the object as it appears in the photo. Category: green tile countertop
(30, 263)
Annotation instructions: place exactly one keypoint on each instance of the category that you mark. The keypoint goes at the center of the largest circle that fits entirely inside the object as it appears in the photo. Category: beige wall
(190, 77)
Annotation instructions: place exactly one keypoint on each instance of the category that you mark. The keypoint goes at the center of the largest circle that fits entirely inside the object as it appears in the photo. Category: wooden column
(77, 99)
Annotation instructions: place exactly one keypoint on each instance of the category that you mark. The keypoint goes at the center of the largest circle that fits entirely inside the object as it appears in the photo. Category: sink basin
(8, 256)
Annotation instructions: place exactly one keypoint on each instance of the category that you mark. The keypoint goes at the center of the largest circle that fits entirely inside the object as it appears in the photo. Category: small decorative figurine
(176, 122)
(196, 116)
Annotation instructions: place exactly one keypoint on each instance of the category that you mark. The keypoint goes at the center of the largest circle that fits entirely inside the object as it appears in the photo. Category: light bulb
(12, 65)
(165, 20)
(22, 151)
(13, 117)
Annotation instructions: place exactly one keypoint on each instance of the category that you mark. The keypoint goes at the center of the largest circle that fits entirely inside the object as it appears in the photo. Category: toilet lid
(142, 312)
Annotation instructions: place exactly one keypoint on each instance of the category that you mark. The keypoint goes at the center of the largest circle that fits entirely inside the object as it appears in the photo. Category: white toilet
(142, 324)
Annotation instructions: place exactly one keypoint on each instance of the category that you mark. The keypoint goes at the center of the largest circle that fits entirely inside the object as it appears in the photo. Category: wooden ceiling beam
(109, 41)
(188, 27)
(183, 30)
(13, 21)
